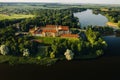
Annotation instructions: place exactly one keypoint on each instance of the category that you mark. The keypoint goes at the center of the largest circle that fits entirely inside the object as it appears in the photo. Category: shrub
(4, 49)
(99, 52)
(26, 53)
(69, 54)
(52, 55)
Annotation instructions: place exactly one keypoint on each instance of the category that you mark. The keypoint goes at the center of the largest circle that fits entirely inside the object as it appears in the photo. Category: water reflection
(88, 18)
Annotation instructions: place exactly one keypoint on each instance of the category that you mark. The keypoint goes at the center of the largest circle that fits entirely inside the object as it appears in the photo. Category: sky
(68, 1)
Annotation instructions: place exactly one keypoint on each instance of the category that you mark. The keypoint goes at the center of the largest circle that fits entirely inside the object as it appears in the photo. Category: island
(44, 34)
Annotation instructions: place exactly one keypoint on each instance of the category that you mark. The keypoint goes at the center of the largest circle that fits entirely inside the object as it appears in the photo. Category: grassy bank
(14, 16)
(12, 60)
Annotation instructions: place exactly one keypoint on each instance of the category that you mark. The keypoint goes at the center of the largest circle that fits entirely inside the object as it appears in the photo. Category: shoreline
(14, 60)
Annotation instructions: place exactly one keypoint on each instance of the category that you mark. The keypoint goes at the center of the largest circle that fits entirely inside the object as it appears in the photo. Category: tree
(4, 50)
(92, 36)
(69, 54)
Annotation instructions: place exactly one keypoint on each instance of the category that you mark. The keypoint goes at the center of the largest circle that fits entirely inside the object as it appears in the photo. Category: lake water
(88, 18)
(113, 45)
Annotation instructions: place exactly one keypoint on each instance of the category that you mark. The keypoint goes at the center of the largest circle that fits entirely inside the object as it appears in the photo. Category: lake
(88, 18)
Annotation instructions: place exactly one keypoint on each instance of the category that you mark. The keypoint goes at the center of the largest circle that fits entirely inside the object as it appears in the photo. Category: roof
(48, 28)
(66, 28)
(70, 35)
(54, 31)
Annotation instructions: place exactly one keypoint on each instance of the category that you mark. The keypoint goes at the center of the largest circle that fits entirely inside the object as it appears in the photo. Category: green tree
(91, 35)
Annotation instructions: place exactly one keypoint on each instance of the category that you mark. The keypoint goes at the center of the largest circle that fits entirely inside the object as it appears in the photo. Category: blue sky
(68, 1)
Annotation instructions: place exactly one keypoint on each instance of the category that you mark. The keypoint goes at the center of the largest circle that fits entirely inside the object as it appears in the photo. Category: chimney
(35, 28)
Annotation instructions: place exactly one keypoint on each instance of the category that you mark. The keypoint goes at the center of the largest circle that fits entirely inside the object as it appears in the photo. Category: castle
(52, 31)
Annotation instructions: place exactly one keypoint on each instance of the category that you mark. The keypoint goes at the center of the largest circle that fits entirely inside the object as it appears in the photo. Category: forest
(46, 16)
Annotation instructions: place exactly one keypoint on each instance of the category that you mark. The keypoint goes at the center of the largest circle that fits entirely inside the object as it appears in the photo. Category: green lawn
(14, 16)
(49, 40)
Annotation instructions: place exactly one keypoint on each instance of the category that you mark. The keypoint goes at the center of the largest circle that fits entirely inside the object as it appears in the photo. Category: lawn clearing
(15, 16)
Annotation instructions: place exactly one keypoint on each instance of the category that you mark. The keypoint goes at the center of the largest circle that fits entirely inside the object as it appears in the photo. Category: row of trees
(104, 30)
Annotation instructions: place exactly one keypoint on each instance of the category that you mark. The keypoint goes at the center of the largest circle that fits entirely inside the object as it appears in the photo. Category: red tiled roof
(64, 28)
(70, 35)
(49, 31)
(48, 28)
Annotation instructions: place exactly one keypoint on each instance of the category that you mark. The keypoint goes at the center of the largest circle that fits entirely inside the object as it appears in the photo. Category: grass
(12, 60)
(112, 24)
(15, 16)
(49, 40)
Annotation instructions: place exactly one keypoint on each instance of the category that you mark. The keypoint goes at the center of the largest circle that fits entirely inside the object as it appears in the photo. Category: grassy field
(111, 24)
(49, 40)
(14, 16)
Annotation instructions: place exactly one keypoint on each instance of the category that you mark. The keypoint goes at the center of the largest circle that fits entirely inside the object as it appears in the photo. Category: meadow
(15, 16)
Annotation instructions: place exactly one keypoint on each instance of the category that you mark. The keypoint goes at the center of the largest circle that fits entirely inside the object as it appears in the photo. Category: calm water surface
(88, 18)
(113, 45)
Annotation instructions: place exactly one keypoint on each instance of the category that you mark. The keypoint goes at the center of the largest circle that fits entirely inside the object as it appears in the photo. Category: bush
(4, 49)
(52, 55)
(26, 53)
(69, 54)
(99, 52)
